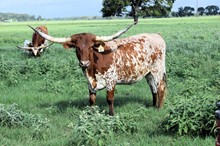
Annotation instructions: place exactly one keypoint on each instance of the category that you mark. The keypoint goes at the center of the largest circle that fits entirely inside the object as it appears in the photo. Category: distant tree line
(142, 8)
(4, 17)
(190, 11)
(151, 8)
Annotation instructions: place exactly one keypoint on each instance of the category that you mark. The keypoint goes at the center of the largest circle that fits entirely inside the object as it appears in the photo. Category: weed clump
(94, 127)
(192, 116)
(11, 116)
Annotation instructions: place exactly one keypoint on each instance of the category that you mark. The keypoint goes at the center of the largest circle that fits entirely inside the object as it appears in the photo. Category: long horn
(114, 36)
(42, 46)
(50, 38)
(26, 48)
(31, 48)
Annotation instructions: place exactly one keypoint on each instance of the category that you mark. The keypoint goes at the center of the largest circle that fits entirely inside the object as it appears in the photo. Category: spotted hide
(107, 62)
(129, 60)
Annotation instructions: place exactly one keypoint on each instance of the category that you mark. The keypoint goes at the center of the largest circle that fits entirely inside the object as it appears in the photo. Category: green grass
(54, 87)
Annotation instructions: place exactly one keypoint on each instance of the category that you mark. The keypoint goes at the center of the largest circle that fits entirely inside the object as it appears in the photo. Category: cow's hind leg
(150, 79)
(158, 89)
(162, 87)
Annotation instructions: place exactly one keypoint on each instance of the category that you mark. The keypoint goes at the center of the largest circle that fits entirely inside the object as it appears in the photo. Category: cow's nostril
(80, 64)
(84, 63)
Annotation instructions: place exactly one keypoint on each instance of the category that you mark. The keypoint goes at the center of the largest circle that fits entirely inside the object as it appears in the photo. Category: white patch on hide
(100, 80)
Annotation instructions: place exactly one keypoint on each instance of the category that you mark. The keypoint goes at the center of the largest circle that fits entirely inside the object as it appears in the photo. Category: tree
(174, 14)
(201, 10)
(39, 18)
(144, 8)
(186, 11)
(212, 10)
(181, 12)
(113, 8)
(189, 11)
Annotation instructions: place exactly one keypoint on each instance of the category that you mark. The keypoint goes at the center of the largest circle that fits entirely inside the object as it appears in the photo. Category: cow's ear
(99, 46)
(68, 45)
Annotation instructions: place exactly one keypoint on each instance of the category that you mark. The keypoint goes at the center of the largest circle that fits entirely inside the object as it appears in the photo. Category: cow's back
(138, 55)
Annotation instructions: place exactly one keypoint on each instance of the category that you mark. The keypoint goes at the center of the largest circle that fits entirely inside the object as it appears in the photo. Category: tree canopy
(212, 10)
(144, 8)
(186, 11)
(189, 11)
(201, 10)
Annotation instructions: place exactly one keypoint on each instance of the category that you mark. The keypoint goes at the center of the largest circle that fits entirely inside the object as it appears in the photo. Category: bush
(51, 85)
(9, 73)
(11, 116)
(94, 127)
(193, 116)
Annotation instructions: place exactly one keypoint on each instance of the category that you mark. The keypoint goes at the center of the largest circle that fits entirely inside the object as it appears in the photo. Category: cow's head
(85, 43)
(37, 40)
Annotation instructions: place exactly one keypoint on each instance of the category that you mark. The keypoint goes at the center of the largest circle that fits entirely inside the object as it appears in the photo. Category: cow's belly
(130, 80)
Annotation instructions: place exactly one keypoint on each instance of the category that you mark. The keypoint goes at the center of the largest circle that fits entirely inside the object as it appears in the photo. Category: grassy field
(53, 88)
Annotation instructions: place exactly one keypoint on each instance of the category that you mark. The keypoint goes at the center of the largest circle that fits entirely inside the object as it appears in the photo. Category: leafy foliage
(192, 116)
(11, 116)
(186, 11)
(94, 127)
(9, 72)
(212, 10)
(194, 97)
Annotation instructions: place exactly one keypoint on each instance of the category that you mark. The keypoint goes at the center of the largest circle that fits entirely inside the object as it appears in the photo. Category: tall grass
(54, 86)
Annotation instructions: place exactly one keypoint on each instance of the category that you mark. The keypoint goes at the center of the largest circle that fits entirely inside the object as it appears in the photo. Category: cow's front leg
(92, 98)
(110, 100)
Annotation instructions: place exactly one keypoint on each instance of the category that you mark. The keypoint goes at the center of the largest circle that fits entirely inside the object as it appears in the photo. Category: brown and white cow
(38, 43)
(107, 61)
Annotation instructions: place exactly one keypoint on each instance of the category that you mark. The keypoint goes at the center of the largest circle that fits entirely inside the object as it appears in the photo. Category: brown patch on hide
(156, 55)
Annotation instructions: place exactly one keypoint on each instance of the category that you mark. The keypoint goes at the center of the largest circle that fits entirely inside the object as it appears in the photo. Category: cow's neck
(99, 64)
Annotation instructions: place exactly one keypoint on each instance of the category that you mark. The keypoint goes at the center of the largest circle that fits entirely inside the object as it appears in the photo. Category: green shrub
(94, 127)
(9, 73)
(4, 67)
(192, 116)
(12, 78)
(51, 85)
(28, 68)
(11, 116)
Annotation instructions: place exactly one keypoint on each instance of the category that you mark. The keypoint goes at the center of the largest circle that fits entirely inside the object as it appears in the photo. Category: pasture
(51, 90)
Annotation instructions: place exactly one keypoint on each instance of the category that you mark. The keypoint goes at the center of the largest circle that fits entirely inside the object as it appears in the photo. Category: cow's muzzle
(84, 64)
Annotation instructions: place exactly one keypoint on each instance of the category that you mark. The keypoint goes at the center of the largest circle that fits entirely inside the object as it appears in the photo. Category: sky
(75, 8)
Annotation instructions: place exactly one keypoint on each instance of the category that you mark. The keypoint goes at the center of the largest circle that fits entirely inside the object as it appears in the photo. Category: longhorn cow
(107, 61)
(38, 43)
